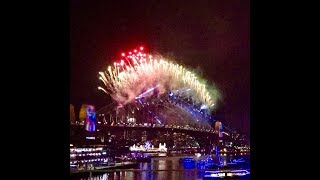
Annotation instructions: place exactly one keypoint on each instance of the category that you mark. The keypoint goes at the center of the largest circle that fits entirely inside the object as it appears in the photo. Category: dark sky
(212, 36)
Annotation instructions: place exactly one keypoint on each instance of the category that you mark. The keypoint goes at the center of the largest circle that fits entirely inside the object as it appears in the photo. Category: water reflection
(164, 168)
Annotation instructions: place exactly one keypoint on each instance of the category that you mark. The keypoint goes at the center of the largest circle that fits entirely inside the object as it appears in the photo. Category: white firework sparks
(138, 71)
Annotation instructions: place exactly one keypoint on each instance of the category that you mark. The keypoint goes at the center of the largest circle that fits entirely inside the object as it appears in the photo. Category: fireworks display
(140, 77)
(138, 71)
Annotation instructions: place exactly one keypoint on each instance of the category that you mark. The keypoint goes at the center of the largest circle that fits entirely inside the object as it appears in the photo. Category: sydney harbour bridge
(136, 124)
(156, 100)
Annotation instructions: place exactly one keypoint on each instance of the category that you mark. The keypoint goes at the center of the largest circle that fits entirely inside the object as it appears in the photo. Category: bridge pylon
(217, 139)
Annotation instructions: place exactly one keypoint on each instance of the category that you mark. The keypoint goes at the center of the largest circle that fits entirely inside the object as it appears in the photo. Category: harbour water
(160, 168)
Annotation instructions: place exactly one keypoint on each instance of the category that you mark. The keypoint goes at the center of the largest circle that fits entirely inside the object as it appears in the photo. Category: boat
(226, 173)
(188, 160)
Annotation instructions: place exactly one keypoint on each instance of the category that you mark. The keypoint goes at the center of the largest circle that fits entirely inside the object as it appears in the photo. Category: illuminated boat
(202, 162)
(241, 160)
(226, 173)
(211, 163)
(188, 160)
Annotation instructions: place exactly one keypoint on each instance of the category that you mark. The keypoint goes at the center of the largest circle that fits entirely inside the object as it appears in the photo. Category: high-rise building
(90, 118)
(82, 114)
(144, 136)
(72, 115)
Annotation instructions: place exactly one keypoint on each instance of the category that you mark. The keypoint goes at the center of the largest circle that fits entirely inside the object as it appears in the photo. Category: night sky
(211, 36)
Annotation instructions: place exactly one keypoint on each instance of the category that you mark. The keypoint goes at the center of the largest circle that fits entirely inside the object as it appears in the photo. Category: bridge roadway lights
(187, 131)
(150, 127)
(204, 136)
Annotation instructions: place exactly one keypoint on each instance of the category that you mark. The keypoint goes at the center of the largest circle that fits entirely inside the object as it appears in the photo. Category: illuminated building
(93, 156)
(149, 148)
(82, 114)
(144, 136)
(90, 122)
(72, 115)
